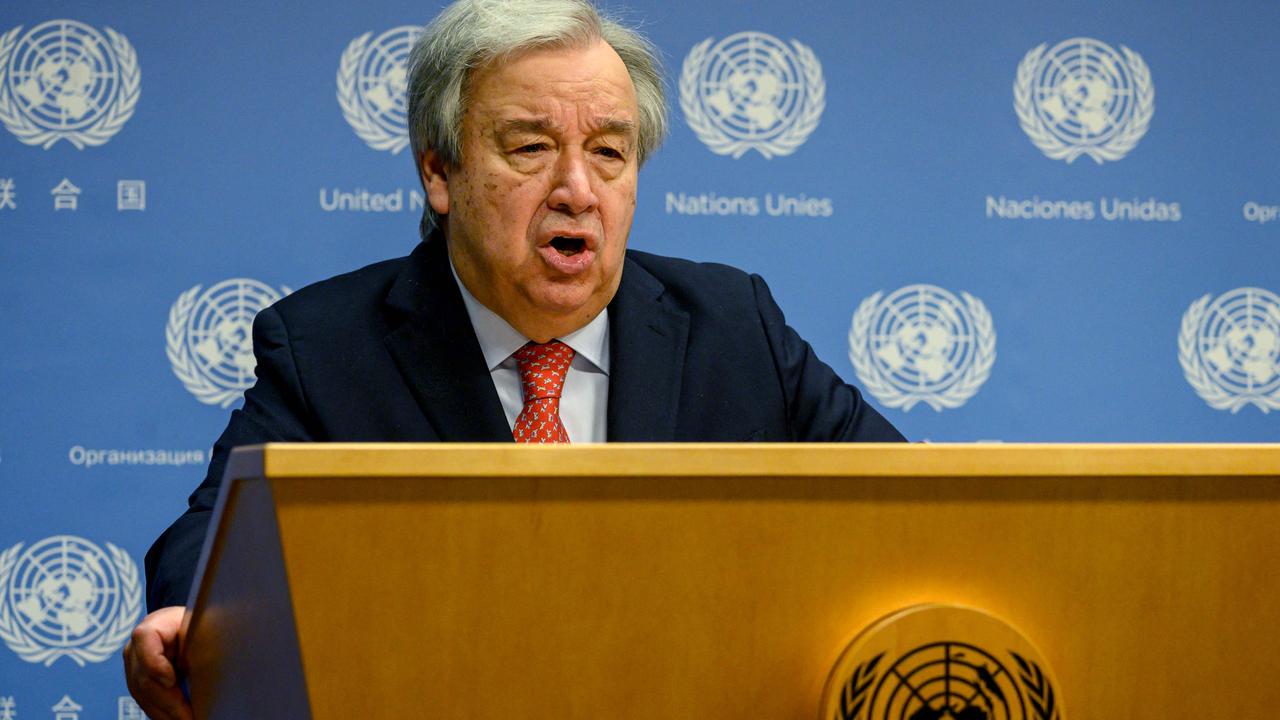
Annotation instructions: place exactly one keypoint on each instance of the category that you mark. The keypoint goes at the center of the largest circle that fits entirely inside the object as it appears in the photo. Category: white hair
(471, 33)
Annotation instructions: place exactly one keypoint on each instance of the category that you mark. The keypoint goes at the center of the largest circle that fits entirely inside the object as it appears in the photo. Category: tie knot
(542, 369)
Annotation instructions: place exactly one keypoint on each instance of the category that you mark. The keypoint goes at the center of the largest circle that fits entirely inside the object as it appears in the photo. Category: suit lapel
(647, 338)
(436, 350)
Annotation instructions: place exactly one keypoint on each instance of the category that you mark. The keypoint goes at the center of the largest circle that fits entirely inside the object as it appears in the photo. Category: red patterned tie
(542, 370)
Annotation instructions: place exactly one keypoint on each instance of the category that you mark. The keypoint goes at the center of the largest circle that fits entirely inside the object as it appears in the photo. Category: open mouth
(567, 254)
(568, 246)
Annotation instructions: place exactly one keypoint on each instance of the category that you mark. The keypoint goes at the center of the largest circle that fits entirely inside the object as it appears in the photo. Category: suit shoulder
(691, 277)
(713, 294)
(357, 288)
(342, 306)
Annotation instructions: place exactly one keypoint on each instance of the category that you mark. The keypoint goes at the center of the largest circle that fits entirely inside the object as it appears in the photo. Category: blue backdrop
(1005, 220)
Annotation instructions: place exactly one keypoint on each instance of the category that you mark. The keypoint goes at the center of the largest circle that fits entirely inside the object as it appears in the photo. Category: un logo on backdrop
(66, 597)
(1229, 348)
(209, 338)
(1083, 98)
(371, 87)
(64, 80)
(751, 91)
(922, 344)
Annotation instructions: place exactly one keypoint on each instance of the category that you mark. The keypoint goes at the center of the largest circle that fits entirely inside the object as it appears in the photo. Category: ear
(435, 180)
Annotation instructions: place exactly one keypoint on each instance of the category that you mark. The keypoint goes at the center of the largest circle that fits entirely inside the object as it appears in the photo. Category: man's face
(539, 209)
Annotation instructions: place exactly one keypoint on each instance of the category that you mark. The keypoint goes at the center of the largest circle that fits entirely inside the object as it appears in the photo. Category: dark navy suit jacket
(698, 352)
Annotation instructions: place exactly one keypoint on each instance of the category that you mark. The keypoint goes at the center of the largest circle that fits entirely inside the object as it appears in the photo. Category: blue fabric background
(237, 132)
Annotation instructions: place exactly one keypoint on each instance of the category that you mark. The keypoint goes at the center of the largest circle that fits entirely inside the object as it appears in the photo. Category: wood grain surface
(723, 581)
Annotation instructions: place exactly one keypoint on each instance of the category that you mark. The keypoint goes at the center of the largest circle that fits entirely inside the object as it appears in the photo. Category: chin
(561, 306)
(564, 301)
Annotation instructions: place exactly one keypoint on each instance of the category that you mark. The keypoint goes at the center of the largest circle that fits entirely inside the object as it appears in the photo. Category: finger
(149, 670)
(131, 671)
(160, 703)
(151, 656)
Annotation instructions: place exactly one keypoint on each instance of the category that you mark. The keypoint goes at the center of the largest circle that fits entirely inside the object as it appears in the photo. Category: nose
(571, 190)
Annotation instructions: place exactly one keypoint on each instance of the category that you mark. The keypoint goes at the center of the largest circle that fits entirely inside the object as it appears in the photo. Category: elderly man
(521, 315)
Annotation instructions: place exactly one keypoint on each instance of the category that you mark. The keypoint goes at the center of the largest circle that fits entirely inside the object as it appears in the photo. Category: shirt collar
(498, 340)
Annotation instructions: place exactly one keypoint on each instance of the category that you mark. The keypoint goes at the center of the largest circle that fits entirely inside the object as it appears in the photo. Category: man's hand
(148, 666)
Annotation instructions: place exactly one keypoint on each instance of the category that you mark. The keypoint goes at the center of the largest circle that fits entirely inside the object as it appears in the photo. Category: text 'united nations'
(777, 205)
(361, 200)
(1113, 208)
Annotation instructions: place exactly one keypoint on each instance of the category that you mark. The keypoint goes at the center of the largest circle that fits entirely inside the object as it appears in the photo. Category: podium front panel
(724, 581)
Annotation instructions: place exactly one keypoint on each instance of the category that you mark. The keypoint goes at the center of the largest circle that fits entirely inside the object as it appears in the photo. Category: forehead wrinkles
(589, 94)
(512, 97)
(591, 97)
(589, 122)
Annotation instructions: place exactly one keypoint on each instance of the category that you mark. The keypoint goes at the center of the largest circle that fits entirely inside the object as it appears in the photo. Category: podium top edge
(337, 460)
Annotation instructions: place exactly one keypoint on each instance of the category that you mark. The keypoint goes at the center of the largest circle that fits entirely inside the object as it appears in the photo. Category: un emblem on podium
(751, 91)
(1229, 348)
(922, 344)
(64, 80)
(66, 597)
(1081, 97)
(941, 662)
(372, 78)
(209, 338)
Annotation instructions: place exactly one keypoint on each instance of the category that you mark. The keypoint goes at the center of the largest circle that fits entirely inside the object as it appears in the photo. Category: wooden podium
(723, 581)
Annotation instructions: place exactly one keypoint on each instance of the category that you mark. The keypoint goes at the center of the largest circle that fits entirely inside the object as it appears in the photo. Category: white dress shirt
(585, 398)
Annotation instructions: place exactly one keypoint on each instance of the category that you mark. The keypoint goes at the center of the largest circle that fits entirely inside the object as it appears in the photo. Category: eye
(605, 151)
(531, 148)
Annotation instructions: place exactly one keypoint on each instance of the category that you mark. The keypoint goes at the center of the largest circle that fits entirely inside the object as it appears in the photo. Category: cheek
(623, 202)
(512, 210)
(618, 216)
(488, 202)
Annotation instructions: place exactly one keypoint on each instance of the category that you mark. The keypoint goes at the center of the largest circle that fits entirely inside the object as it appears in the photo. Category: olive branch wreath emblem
(970, 380)
(1037, 688)
(1118, 145)
(118, 111)
(853, 696)
(1198, 375)
(799, 129)
(1035, 685)
(374, 135)
(179, 354)
(178, 351)
(104, 645)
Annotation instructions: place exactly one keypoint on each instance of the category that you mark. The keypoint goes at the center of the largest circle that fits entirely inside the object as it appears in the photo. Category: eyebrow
(544, 126)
